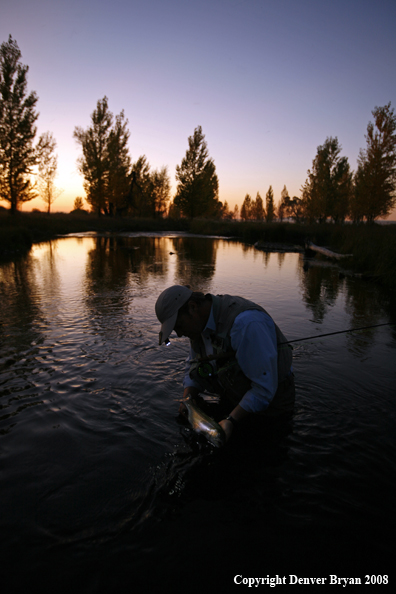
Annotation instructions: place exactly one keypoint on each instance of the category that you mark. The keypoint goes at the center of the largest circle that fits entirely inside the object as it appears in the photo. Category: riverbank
(373, 247)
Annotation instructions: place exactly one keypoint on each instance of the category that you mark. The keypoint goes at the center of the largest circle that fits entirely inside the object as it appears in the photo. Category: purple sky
(268, 80)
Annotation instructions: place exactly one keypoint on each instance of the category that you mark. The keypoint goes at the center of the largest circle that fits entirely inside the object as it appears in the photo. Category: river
(104, 489)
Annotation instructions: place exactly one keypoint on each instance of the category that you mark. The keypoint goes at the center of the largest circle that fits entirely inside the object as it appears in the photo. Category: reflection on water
(196, 262)
(97, 468)
(321, 287)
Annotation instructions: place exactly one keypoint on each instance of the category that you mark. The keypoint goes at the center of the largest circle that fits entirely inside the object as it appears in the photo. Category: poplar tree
(161, 187)
(119, 163)
(328, 188)
(246, 208)
(257, 211)
(47, 169)
(17, 128)
(269, 205)
(375, 178)
(105, 161)
(78, 203)
(284, 205)
(139, 195)
(94, 163)
(149, 191)
(198, 185)
(226, 212)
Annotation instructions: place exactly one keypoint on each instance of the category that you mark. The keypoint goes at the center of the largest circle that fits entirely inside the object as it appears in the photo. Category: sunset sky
(268, 80)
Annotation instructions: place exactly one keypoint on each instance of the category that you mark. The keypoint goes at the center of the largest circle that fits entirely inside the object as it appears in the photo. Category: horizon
(267, 81)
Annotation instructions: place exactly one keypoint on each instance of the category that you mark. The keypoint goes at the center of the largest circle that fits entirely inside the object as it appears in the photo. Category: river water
(104, 489)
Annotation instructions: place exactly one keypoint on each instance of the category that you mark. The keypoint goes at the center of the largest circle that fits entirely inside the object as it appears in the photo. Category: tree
(105, 161)
(78, 203)
(328, 187)
(283, 208)
(269, 205)
(139, 191)
(227, 213)
(375, 178)
(296, 209)
(160, 188)
(257, 210)
(47, 169)
(246, 208)
(17, 130)
(174, 211)
(198, 186)
(149, 190)
(119, 163)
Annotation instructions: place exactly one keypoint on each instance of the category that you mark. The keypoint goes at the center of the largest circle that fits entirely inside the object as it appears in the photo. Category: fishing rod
(229, 355)
(338, 332)
(204, 369)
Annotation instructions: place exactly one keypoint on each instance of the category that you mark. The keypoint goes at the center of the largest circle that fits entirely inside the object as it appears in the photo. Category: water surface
(102, 485)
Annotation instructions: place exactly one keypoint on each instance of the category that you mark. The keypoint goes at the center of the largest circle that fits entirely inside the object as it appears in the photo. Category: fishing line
(205, 369)
(205, 373)
(338, 332)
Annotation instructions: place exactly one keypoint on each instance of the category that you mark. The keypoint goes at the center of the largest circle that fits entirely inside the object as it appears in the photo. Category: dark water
(103, 489)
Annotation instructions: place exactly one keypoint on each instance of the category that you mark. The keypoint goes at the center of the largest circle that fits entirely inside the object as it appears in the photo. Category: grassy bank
(373, 248)
(18, 233)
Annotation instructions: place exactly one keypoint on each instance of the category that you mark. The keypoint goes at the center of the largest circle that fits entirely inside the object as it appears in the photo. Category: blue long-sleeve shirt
(253, 338)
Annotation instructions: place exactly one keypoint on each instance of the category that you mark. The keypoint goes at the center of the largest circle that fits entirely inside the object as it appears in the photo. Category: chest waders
(226, 377)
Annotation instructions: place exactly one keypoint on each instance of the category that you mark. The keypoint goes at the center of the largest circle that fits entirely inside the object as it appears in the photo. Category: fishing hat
(167, 308)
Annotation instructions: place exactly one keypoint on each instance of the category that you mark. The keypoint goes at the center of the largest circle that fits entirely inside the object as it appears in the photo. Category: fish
(202, 423)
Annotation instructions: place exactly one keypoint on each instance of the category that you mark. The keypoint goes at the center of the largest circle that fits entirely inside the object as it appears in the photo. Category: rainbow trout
(202, 423)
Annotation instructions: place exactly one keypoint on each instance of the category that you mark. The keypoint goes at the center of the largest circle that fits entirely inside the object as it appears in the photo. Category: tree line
(114, 185)
(332, 191)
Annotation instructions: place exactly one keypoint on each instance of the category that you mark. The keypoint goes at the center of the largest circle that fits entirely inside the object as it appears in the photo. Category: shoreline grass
(373, 247)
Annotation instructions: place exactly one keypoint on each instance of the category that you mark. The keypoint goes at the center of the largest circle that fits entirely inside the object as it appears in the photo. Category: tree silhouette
(375, 177)
(47, 169)
(198, 187)
(17, 128)
(105, 162)
(269, 205)
(246, 208)
(328, 188)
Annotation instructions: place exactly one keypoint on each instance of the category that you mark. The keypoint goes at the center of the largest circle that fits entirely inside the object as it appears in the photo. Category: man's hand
(227, 428)
(189, 392)
(183, 409)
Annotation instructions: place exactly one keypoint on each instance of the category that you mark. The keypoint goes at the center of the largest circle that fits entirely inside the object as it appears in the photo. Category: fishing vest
(228, 378)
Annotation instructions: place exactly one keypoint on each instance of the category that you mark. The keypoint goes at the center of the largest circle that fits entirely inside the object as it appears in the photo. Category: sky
(268, 81)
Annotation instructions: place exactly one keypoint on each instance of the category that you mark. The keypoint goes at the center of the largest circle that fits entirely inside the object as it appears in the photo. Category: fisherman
(235, 352)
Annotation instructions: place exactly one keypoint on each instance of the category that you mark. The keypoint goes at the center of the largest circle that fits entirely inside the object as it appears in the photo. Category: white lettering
(263, 581)
(294, 579)
(344, 581)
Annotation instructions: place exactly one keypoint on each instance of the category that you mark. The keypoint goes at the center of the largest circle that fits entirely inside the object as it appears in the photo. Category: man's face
(189, 324)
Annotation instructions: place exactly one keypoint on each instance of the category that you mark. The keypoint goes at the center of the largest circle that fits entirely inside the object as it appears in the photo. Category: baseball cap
(167, 308)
